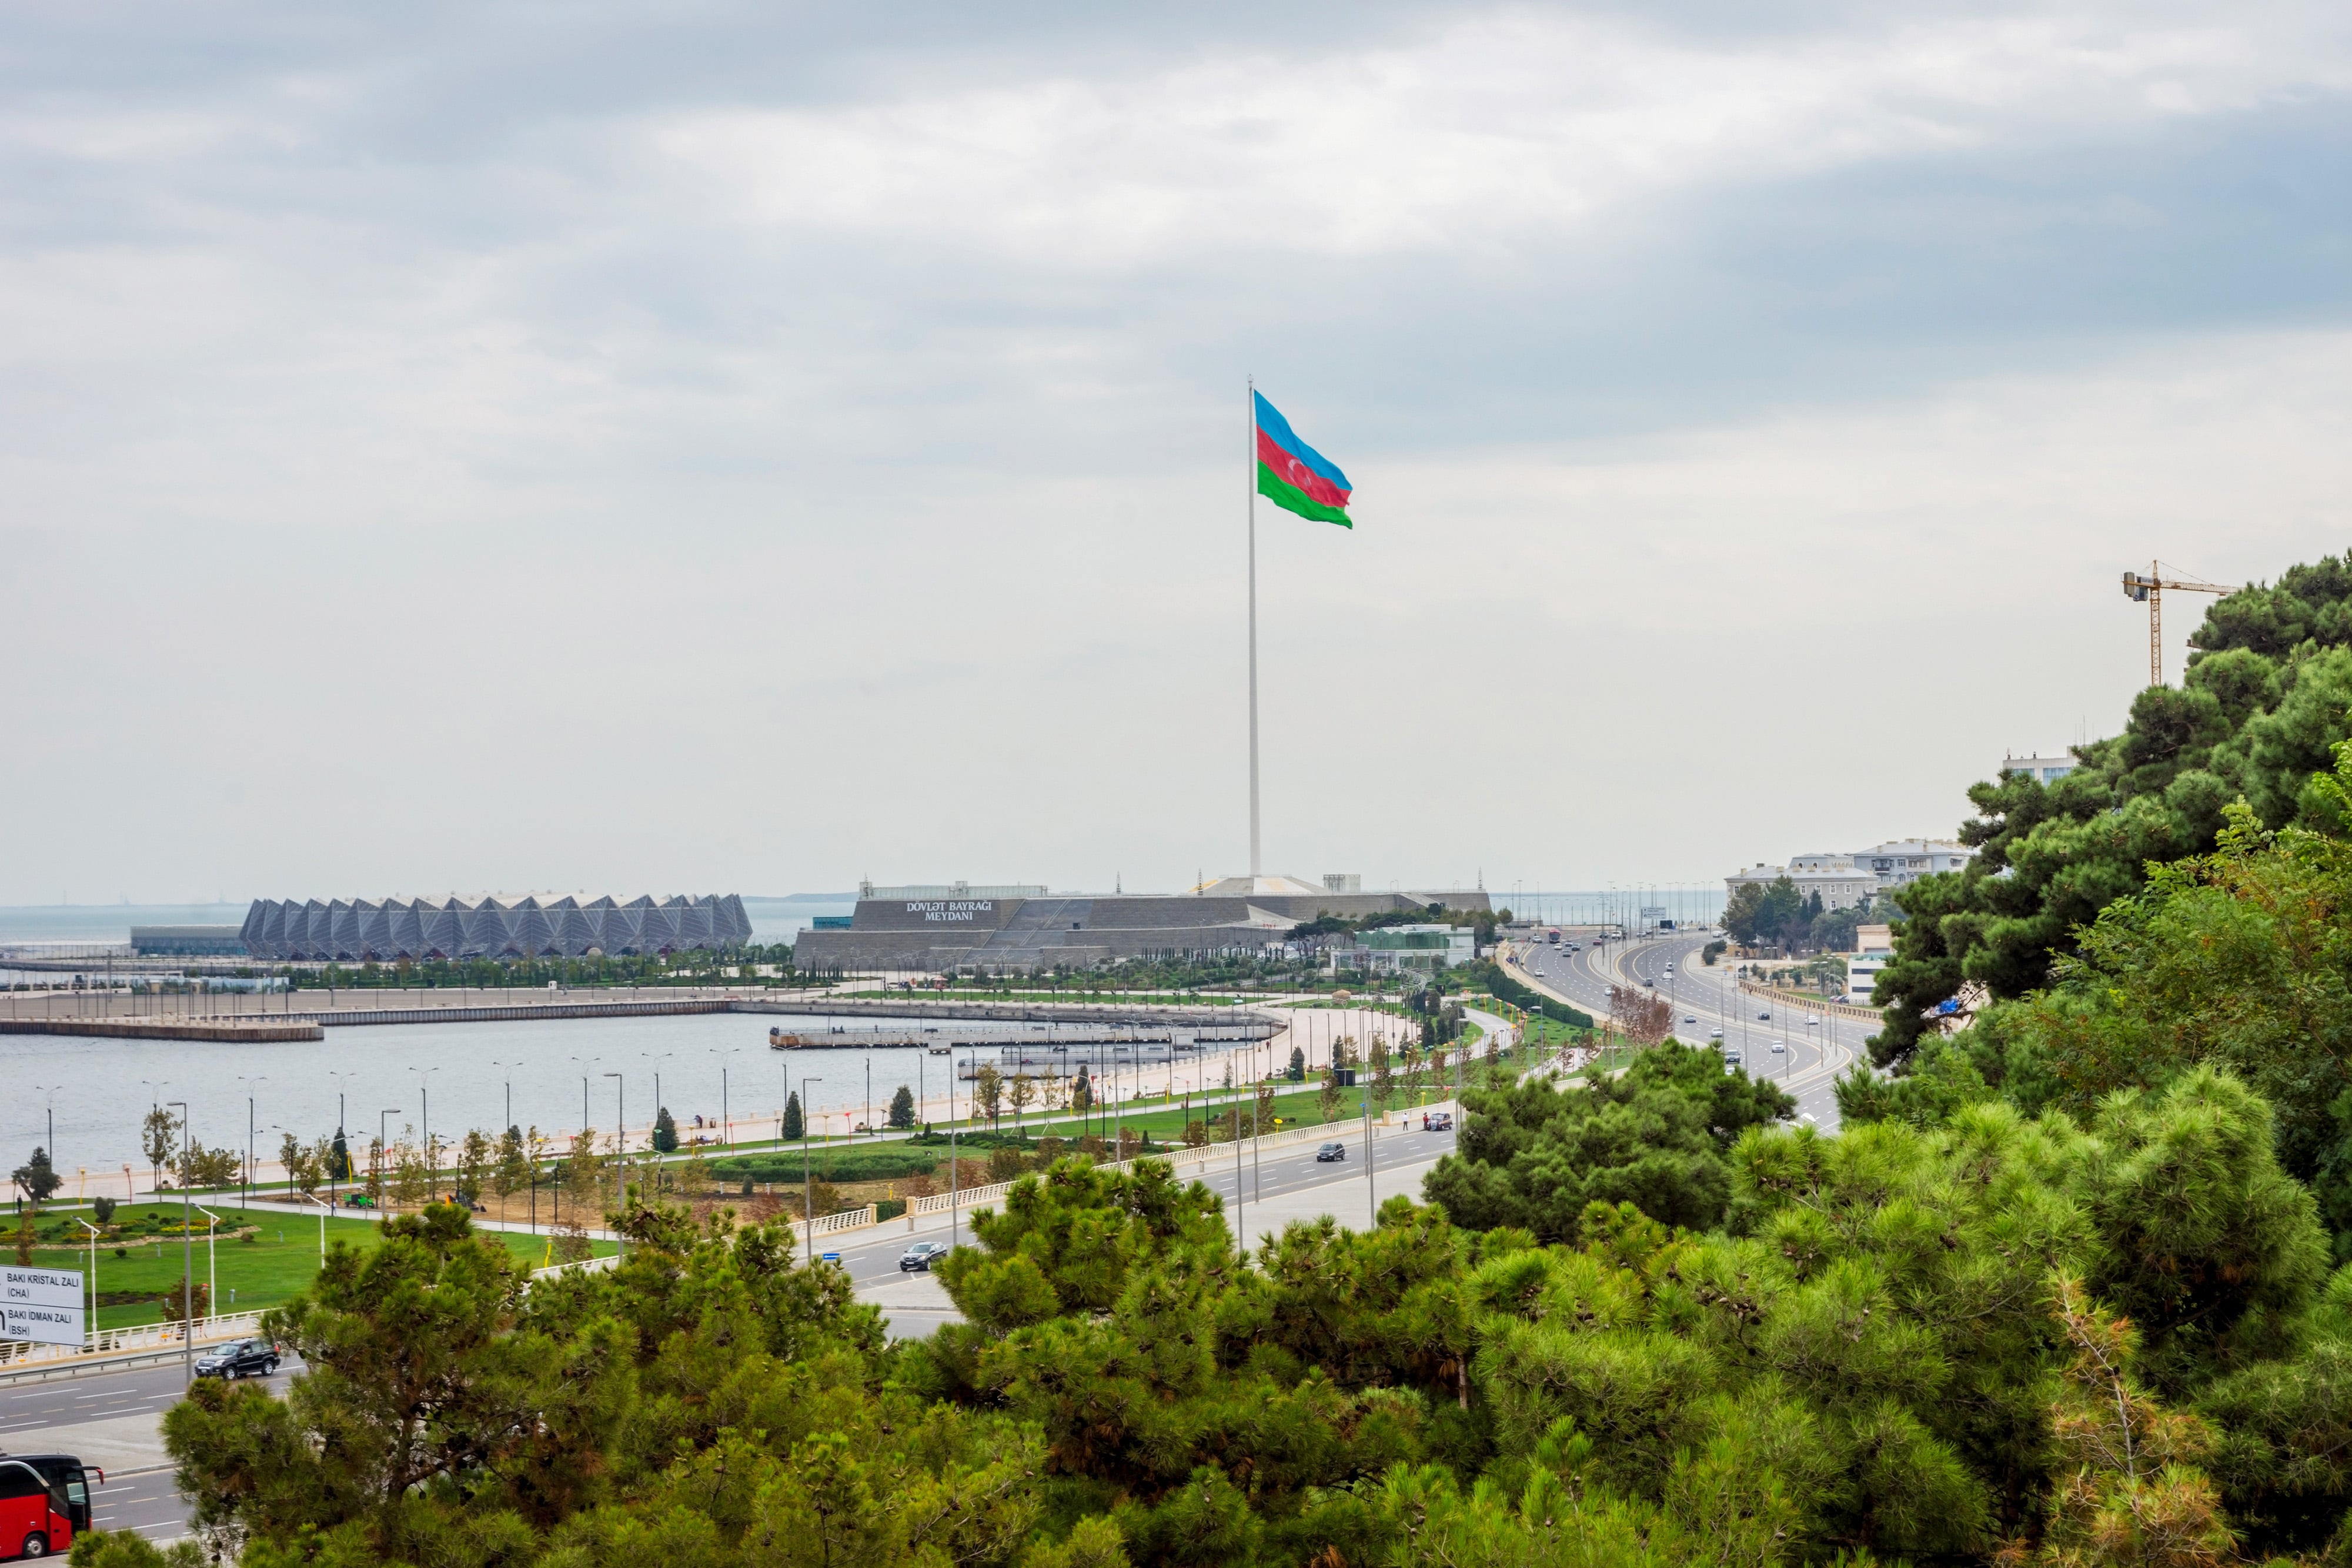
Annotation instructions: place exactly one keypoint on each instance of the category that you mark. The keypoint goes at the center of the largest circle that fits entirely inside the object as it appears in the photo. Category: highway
(1814, 1049)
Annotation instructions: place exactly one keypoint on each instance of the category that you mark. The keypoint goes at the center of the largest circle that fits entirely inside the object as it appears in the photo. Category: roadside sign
(43, 1305)
(830, 1257)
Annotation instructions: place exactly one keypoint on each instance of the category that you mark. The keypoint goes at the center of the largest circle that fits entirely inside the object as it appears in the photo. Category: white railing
(127, 1341)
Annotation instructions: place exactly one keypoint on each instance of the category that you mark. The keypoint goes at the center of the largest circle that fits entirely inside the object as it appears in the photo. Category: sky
(752, 448)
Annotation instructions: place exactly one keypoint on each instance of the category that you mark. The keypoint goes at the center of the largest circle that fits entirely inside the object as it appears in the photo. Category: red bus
(44, 1502)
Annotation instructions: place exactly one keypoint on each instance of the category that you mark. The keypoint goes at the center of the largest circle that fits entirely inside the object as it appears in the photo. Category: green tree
(2133, 1498)
(512, 1173)
(665, 1131)
(476, 1160)
(794, 1127)
(159, 1140)
(1534, 1155)
(36, 1179)
(2255, 717)
(902, 1107)
(295, 1155)
(1297, 1073)
(988, 1091)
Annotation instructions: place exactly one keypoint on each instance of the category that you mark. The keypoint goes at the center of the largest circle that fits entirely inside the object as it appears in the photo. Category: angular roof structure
(493, 927)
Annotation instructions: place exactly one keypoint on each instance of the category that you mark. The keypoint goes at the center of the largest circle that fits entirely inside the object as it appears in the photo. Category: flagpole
(1250, 474)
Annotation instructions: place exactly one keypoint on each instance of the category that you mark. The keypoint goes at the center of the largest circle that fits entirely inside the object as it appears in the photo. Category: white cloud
(1491, 128)
(821, 483)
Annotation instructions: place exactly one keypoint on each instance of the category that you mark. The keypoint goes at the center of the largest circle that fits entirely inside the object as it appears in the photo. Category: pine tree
(902, 1107)
(665, 1131)
(794, 1127)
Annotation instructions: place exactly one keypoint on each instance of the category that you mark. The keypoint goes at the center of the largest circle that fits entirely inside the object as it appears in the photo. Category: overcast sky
(711, 447)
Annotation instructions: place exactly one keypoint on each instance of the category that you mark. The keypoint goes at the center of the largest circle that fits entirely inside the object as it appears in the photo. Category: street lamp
(86, 1224)
(808, 1190)
(382, 1145)
(212, 1261)
(323, 1207)
(620, 1141)
(585, 1063)
(187, 1256)
(245, 1193)
(425, 1100)
(726, 1126)
(649, 1056)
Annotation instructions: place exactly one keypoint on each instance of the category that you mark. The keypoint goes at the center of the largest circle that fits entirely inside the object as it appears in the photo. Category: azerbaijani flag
(1292, 474)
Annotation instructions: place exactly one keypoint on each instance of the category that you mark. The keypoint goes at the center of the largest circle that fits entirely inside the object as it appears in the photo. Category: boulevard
(1817, 1046)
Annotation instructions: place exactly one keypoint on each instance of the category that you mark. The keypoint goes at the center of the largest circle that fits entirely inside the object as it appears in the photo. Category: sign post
(43, 1305)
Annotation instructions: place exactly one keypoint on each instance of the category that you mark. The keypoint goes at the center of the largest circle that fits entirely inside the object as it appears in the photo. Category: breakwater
(219, 1030)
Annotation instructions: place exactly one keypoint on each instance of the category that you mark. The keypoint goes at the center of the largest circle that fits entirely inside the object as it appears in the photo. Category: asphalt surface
(47, 1417)
(1814, 1049)
(39, 1417)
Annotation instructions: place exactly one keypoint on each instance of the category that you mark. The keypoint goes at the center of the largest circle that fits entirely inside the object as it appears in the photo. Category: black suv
(246, 1358)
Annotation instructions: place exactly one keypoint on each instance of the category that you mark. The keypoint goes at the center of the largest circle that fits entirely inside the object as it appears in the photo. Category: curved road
(1813, 1049)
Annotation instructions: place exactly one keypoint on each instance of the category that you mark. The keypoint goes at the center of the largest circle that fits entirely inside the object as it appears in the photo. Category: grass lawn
(277, 1264)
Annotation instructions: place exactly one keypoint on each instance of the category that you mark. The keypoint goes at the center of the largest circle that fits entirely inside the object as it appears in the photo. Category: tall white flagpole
(1250, 470)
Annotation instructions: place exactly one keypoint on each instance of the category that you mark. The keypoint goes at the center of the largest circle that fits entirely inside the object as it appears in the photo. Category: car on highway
(1780, 1045)
(1329, 1152)
(1688, 1018)
(1765, 1014)
(1731, 1058)
(246, 1358)
(1437, 1121)
(1812, 1023)
(37, 1512)
(1714, 1034)
(921, 1256)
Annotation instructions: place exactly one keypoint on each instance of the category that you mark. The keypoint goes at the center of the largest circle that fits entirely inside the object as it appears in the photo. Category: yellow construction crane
(2149, 590)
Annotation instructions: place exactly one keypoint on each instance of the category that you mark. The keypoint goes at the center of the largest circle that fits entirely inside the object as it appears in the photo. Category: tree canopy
(1536, 1154)
(2263, 702)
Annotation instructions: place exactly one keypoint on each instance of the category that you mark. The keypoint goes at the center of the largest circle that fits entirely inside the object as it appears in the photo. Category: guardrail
(20, 1354)
(1817, 1004)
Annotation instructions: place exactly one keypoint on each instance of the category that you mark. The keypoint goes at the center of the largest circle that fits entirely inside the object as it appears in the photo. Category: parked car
(36, 1514)
(358, 1200)
(1329, 1152)
(921, 1256)
(246, 1358)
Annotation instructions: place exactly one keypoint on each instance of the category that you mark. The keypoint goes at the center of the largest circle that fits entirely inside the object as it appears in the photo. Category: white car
(1714, 1034)
(1778, 1046)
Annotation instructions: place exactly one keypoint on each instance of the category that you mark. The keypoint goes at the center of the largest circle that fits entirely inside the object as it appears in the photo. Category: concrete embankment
(1208, 1026)
(219, 1030)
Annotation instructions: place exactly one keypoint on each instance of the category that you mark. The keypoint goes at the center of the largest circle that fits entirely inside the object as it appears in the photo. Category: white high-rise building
(2041, 768)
